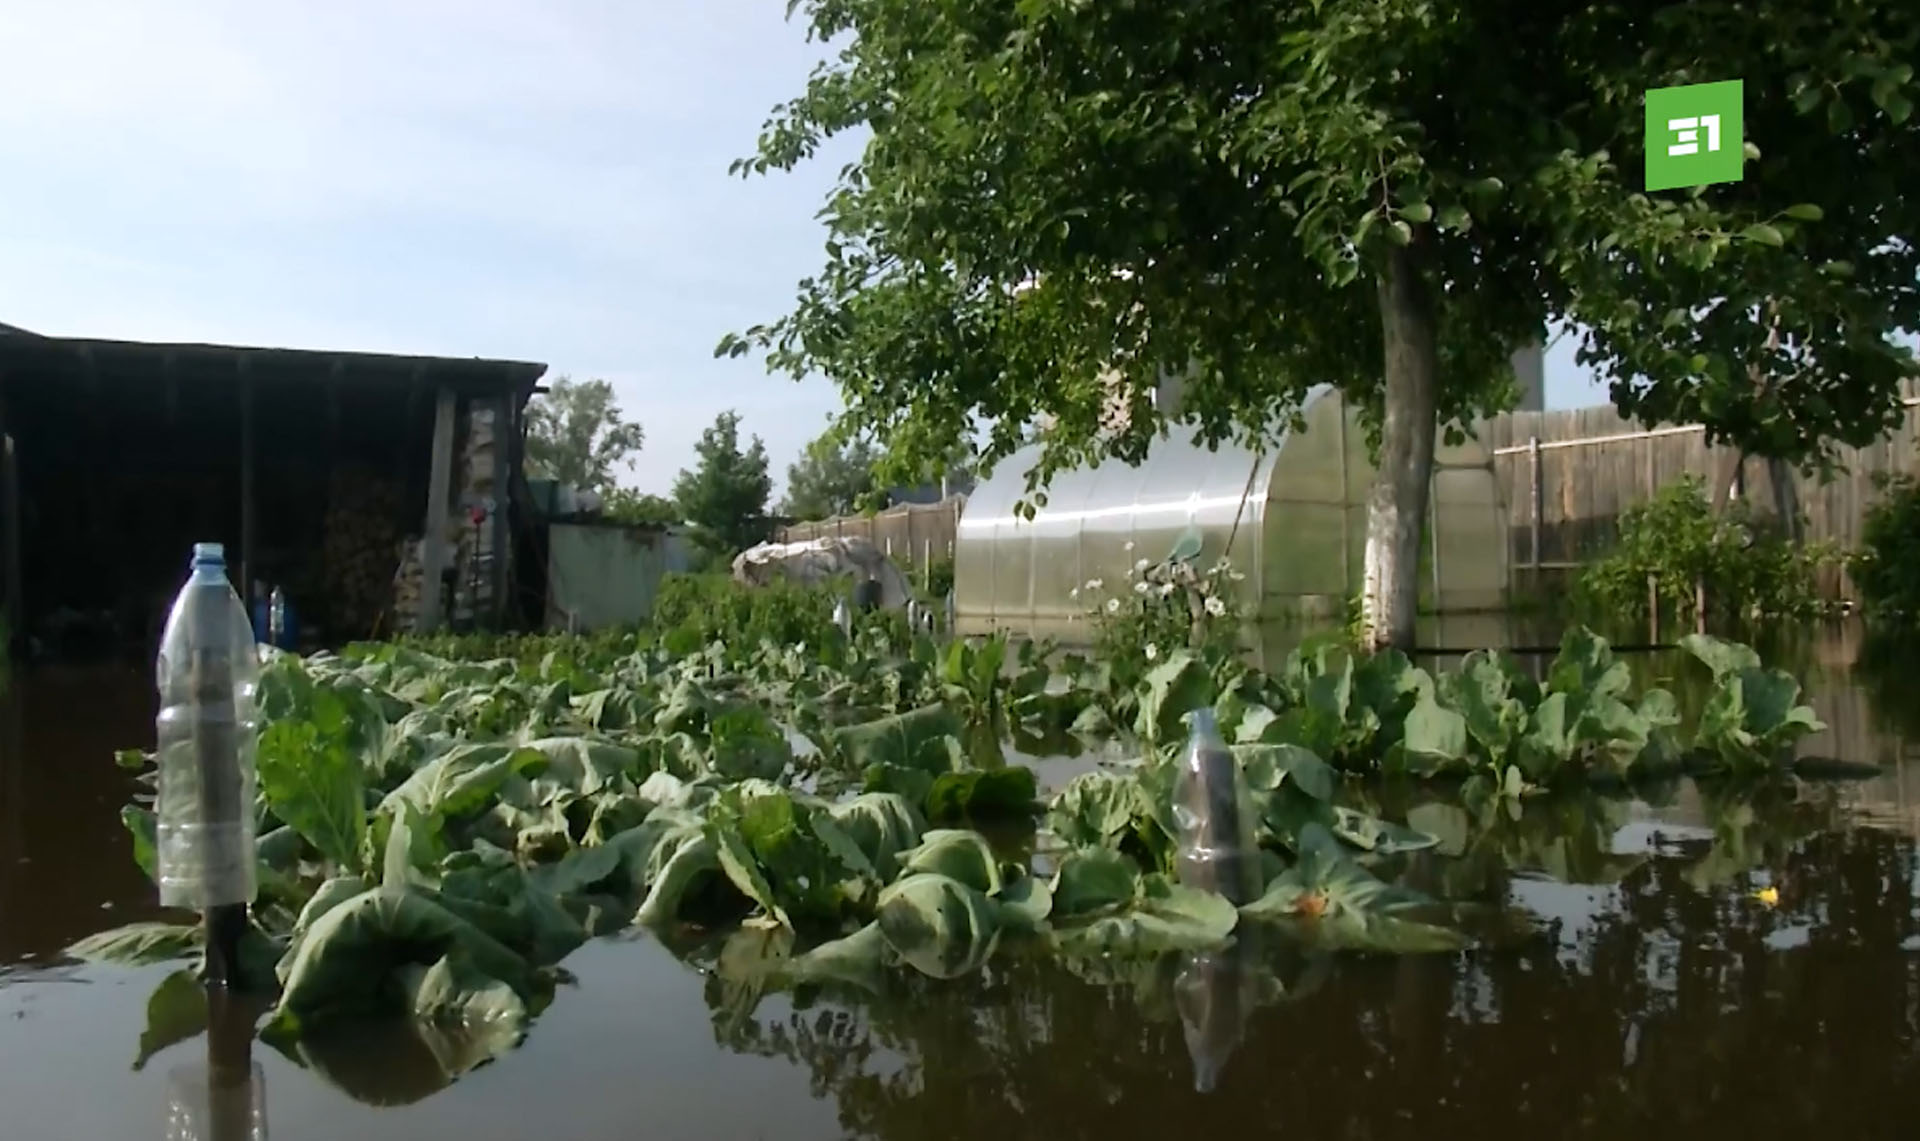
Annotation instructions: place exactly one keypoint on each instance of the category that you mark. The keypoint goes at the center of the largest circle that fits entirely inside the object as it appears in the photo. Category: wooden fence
(1567, 476)
(911, 534)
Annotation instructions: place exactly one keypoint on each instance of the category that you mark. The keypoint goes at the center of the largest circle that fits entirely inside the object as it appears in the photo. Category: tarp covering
(821, 560)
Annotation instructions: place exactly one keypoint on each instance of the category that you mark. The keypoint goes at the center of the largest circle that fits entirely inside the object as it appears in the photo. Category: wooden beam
(433, 536)
(247, 567)
(503, 435)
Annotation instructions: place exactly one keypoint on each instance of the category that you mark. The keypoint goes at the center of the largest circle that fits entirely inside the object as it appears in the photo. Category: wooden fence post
(1533, 506)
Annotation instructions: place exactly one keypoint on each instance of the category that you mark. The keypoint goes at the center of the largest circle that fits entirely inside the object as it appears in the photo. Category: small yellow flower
(1769, 896)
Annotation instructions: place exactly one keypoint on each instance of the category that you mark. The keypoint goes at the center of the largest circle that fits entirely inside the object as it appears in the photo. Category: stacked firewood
(357, 548)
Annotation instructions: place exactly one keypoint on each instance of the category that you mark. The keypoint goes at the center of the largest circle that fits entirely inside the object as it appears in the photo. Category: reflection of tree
(1669, 1015)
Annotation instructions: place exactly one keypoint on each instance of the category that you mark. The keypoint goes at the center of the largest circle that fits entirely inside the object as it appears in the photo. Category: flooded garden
(889, 886)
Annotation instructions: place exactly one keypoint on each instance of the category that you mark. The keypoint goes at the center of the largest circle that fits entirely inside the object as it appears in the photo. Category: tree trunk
(1729, 479)
(1786, 499)
(1397, 504)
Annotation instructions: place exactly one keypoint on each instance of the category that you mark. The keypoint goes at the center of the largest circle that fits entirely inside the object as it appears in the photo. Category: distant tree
(641, 509)
(576, 434)
(724, 496)
(832, 477)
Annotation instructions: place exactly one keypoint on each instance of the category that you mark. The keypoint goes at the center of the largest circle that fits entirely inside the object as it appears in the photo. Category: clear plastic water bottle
(277, 619)
(207, 673)
(1218, 842)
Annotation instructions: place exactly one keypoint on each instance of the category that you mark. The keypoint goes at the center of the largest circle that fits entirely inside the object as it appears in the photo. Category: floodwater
(1670, 997)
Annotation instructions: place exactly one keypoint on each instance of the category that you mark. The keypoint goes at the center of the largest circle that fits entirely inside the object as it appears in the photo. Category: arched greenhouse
(1292, 518)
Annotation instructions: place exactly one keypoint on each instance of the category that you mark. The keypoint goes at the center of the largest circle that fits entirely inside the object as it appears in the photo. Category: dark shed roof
(30, 353)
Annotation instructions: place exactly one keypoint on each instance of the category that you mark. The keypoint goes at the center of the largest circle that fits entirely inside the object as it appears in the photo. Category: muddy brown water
(1668, 1000)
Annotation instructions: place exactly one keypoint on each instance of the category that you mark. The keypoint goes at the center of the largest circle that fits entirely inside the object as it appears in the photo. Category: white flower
(1216, 607)
(1128, 546)
(1236, 576)
(1153, 652)
(1167, 589)
(1074, 593)
(1113, 606)
(1141, 587)
(1143, 564)
(1094, 584)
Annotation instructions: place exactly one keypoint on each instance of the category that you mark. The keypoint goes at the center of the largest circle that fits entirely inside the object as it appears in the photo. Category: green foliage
(437, 835)
(724, 496)
(1749, 569)
(934, 583)
(576, 434)
(1883, 568)
(692, 611)
(833, 476)
(1163, 608)
(1061, 203)
(640, 509)
(1755, 716)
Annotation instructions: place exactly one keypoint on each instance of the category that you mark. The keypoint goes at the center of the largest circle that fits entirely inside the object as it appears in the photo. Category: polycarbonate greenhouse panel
(1292, 518)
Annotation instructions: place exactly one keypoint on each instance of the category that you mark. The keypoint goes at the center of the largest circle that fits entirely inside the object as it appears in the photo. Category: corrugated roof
(462, 371)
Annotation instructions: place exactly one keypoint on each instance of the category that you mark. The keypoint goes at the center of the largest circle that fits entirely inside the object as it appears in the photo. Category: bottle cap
(209, 554)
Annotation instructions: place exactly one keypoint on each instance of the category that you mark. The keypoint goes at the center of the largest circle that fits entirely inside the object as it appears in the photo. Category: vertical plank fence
(1568, 475)
(911, 534)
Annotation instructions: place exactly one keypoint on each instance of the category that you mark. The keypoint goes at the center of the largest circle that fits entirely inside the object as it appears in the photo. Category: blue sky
(543, 180)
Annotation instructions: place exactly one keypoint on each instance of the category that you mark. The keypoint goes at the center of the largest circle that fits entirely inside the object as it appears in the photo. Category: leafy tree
(725, 495)
(833, 476)
(1061, 202)
(576, 434)
(641, 509)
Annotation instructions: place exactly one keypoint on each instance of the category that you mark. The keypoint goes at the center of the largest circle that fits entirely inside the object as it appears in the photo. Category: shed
(312, 467)
(1292, 517)
(603, 575)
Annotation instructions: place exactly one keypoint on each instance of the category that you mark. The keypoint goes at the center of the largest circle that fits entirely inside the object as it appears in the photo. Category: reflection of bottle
(207, 672)
(1215, 993)
(842, 617)
(277, 619)
(1213, 812)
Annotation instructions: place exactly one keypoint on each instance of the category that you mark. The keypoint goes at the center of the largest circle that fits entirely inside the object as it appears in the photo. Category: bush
(938, 581)
(1160, 608)
(1749, 569)
(1883, 568)
(692, 610)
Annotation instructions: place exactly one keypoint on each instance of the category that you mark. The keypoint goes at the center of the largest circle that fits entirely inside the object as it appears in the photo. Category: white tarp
(822, 559)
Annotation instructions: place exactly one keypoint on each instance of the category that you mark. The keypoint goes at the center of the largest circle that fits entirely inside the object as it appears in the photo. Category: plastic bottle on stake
(207, 673)
(1218, 845)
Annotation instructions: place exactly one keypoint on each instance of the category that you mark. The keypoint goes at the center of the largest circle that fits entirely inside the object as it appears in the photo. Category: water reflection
(223, 1096)
(1216, 992)
(1663, 1010)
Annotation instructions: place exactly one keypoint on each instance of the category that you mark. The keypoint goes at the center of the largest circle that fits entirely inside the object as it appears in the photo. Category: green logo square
(1694, 135)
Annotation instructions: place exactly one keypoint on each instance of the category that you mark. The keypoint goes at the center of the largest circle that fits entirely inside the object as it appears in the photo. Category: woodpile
(357, 549)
